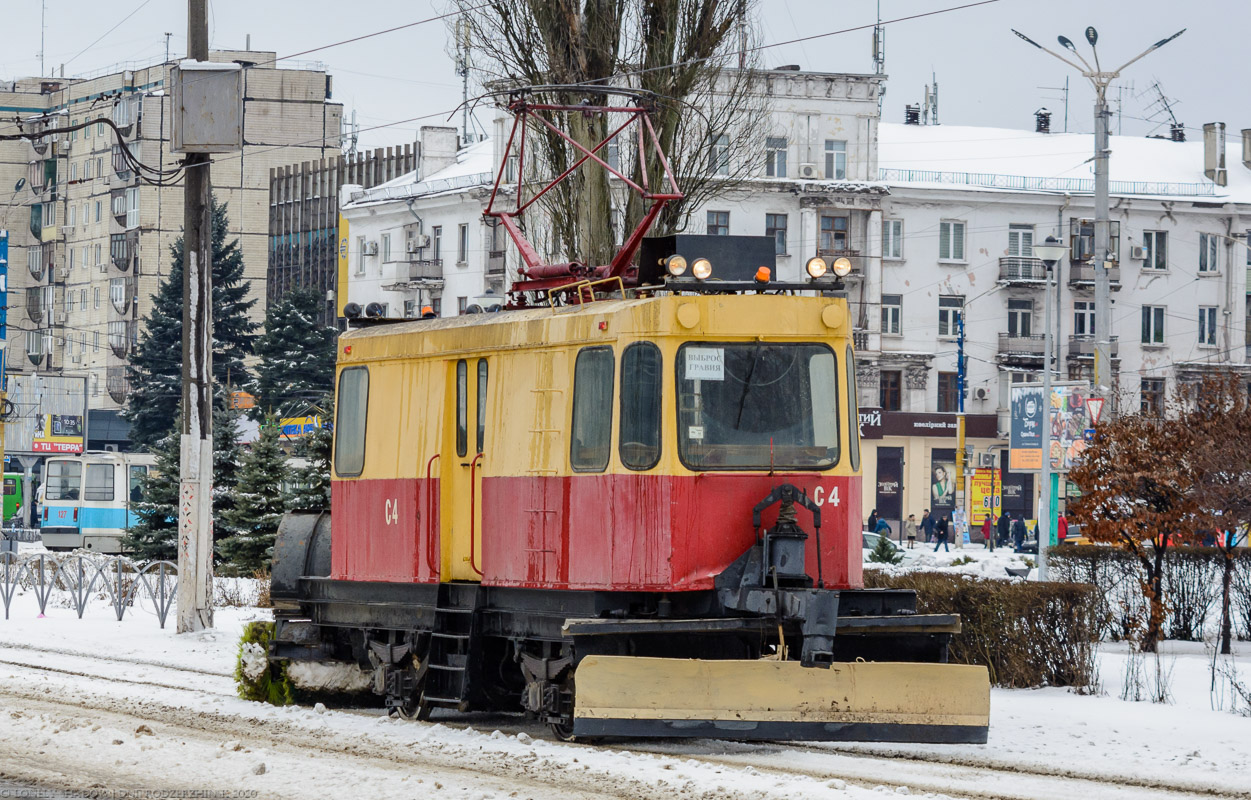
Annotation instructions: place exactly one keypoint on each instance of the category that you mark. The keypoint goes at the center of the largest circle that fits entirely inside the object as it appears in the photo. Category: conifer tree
(155, 535)
(155, 369)
(226, 457)
(258, 502)
(297, 354)
(311, 483)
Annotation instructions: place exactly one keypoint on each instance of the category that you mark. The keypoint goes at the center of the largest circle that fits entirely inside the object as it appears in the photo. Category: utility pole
(1100, 80)
(1050, 252)
(961, 379)
(4, 336)
(195, 500)
(43, 31)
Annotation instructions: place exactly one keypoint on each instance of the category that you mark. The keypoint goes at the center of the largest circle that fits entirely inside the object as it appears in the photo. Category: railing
(81, 576)
(34, 306)
(117, 384)
(1082, 345)
(987, 180)
(1030, 346)
(860, 340)
(495, 262)
(1083, 273)
(1022, 269)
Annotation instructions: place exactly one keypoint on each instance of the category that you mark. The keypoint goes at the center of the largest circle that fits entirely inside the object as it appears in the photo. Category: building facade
(92, 238)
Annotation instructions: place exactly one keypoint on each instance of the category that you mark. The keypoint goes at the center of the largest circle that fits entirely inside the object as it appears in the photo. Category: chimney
(1214, 153)
(1246, 147)
(438, 150)
(912, 115)
(1042, 121)
(1177, 132)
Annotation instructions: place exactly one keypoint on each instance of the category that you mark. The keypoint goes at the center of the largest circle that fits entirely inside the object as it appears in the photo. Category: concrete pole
(1044, 503)
(195, 506)
(1103, 298)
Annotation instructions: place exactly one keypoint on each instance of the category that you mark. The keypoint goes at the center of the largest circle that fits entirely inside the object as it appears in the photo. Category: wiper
(751, 370)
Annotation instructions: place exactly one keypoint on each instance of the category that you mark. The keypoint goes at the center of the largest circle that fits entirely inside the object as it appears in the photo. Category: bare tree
(692, 55)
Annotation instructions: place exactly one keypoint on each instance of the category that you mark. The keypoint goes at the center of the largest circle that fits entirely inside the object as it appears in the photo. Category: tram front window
(64, 480)
(757, 406)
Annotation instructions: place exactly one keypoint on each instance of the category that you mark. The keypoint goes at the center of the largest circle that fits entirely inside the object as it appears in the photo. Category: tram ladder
(447, 673)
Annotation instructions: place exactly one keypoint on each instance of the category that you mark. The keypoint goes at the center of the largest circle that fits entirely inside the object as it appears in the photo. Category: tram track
(952, 775)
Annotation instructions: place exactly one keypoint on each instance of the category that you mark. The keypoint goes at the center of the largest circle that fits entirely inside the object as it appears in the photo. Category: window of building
(1083, 318)
(950, 241)
(132, 207)
(1247, 242)
(82, 305)
(835, 160)
(100, 167)
(1152, 396)
(1020, 317)
(360, 255)
(775, 156)
(95, 292)
(892, 238)
(719, 155)
(95, 341)
(775, 227)
(462, 305)
(88, 166)
(1021, 241)
(436, 305)
(1207, 252)
(950, 307)
(591, 442)
(436, 242)
(98, 250)
(718, 223)
(892, 314)
(482, 405)
(352, 407)
(386, 249)
(1155, 248)
(835, 234)
(98, 210)
(99, 484)
(638, 442)
(69, 255)
(1153, 325)
(1207, 325)
(462, 243)
(410, 309)
(948, 393)
(49, 215)
(891, 385)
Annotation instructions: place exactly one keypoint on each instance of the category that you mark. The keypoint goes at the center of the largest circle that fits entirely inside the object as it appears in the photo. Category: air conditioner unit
(986, 460)
(1138, 252)
(77, 358)
(418, 241)
(981, 393)
(809, 172)
(59, 318)
(102, 267)
(371, 248)
(62, 273)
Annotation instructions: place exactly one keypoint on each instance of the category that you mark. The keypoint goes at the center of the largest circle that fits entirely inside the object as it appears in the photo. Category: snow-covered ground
(98, 703)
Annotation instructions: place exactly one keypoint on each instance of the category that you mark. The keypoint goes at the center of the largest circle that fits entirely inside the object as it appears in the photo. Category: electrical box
(208, 107)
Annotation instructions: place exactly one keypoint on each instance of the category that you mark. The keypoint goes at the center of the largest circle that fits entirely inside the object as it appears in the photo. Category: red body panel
(607, 532)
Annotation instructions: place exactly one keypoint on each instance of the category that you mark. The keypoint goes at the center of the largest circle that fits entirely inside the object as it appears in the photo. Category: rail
(82, 576)
(1025, 183)
(432, 527)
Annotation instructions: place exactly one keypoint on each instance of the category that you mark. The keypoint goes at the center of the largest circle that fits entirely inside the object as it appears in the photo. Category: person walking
(987, 530)
(1003, 529)
(1018, 531)
(872, 526)
(941, 529)
(1062, 529)
(910, 530)
(883, 528)
(927, 525)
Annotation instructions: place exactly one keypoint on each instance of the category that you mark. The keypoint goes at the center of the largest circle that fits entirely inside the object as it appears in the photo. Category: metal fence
(21, 534)
(1026, 183)
(81, 576)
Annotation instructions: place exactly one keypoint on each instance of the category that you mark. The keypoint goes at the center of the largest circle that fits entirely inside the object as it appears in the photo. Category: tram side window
(64, 479)
(591, 442)
(99, 482)
(137, 476)
(462, 408)
(853, 411)
(482, 395)
(639, 440)
(351, 408)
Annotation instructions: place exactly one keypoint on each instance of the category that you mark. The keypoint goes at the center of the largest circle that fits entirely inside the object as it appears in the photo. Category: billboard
(943, 480)
(1068, 425)
(57, 433)
(984, 496)
(49, 414)
(299, 426)
(1025, 443)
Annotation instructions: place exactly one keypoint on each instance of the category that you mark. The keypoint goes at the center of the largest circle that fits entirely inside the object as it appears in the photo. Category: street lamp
(1050, 252)
(1100, 80)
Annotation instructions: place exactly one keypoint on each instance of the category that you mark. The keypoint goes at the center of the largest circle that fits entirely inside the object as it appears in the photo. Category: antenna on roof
(1162, 106)
(929, 116)
(462, 70)
(1064, 95)
(879, 55)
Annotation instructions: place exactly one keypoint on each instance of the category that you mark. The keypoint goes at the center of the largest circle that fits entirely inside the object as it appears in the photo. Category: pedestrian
(872, 526)
(987, 529)
(910, 529)
(1018, 531)
(1062, 529)
(883, 528)
(927, 525)
(1005, 522)
(941, 539)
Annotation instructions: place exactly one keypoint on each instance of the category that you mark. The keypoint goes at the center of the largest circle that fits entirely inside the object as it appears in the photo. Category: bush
(1026, 633)
(255, 677)
(885, 552)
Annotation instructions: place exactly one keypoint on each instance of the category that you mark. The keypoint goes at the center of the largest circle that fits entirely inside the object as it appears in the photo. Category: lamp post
(1100, 80)
(1050, 251)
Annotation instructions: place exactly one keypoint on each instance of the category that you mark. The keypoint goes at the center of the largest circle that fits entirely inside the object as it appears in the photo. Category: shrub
(1026, 633)
(885, 552)
(255, 677)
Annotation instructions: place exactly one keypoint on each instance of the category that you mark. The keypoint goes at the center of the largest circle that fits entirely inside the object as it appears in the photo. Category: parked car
(869, 543)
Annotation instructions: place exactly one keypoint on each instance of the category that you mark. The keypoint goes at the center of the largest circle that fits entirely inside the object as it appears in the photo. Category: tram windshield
(63, 480)
(757, 406)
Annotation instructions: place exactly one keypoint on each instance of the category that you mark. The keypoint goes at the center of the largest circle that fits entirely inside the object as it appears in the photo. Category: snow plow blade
(781, 700)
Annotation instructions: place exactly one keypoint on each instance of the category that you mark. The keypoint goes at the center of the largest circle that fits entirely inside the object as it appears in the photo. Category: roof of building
(1017, 160)
(473, 167)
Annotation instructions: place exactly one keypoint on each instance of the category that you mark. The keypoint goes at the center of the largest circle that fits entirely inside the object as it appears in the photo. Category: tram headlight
(675, 265)
(701, 269)
(817, 267)
(842, 267)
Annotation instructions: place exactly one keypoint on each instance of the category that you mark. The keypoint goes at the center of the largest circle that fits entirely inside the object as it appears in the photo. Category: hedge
(1025, 632)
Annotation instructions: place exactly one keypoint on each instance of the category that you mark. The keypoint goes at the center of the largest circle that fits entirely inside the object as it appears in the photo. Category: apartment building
(92, 238)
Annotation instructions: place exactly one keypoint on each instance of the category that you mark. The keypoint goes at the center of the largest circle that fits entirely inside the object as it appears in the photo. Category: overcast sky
(986, 75)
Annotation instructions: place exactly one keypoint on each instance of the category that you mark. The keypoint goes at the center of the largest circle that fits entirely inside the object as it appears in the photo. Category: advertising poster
(1025, 444)
(1068, 426)
(57, 433)
(942, 480)
(293, 427)
(984, 495)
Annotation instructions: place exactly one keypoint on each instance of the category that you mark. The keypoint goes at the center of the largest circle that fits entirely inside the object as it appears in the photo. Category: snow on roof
(473, 167)
(999, 158)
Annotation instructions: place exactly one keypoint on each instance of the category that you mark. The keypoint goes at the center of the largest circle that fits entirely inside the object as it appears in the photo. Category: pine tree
(226, 457)
(258, 503)
(311, 483)
(155, 370)
(155, 535)
(885, 552)
(297, 354)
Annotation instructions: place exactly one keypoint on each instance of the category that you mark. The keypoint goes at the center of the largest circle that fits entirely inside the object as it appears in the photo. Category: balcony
(35, 308)
(117, 384)
(411, 274)
(121, 337)
(122, 249)
(1019, 270)
(860, 340)
(859, 263)
(1082, 347)
(122, 294)
(1021, 349)
(495, 262)
(1082, 275)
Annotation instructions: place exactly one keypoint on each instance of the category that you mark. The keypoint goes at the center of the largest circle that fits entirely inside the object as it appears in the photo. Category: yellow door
(464, 442)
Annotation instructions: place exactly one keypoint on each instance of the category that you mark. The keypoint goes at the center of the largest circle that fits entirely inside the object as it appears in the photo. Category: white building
(938, 221)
